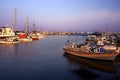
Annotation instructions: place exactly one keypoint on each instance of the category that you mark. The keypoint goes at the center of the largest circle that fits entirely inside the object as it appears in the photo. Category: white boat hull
(25, 40)
(9, 42)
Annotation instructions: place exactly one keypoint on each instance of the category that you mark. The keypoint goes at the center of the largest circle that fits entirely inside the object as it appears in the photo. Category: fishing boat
(24, 37)
(9, 40)
(41, 36)
(6, 31)
(34, 33)
(34, 36)
(86, 51)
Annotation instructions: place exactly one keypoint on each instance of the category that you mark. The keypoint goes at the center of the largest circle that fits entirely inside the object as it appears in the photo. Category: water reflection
(7, 50)
(87, 67)
(117, 60)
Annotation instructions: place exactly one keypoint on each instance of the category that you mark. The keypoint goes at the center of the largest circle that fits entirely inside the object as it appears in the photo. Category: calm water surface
(45, 60)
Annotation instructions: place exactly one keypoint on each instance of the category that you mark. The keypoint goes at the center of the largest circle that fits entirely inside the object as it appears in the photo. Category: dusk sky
(63, 15)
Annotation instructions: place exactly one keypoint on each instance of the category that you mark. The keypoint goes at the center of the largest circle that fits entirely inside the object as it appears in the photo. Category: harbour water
(45, 60)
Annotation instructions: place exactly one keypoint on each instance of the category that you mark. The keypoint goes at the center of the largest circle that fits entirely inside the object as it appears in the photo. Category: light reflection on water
(44, 60)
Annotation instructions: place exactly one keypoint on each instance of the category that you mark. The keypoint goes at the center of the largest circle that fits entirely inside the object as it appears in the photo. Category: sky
(62, 15)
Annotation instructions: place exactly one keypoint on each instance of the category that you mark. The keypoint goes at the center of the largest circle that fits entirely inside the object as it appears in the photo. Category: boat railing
(83, 49)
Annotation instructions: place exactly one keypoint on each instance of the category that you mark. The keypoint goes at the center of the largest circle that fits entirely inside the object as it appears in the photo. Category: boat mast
(27, 25)
(33, 26)
(41, 30)
(107, 30)
(108, 35)
(15, 18)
